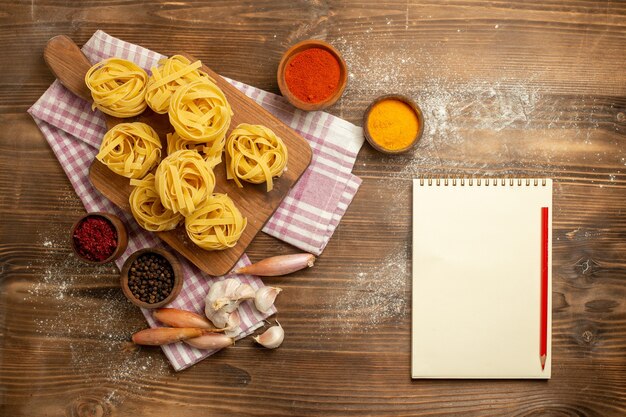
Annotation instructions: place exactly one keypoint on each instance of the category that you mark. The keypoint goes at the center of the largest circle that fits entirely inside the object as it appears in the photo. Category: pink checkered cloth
(307, 217)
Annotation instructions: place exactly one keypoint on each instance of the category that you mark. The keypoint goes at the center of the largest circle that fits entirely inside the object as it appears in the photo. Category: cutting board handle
(68, 63)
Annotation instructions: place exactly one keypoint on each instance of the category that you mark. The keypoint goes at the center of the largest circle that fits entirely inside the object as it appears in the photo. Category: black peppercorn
(149, 278)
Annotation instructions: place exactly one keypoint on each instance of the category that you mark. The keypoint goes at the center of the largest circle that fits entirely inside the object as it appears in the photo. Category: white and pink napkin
(306, 218)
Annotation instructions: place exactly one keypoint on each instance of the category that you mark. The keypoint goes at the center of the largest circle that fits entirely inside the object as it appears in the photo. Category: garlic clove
(231, 322)
(218, 318)
(228, 321)
(234, 332)
(234, 320)
(272, 337)
(265, 297)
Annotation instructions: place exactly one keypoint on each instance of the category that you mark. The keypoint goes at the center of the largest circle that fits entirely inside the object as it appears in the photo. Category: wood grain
(257, 205)
(69, 65)
(541, 94)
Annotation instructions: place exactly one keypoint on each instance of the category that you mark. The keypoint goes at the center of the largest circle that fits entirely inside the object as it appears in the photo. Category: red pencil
(543, 339)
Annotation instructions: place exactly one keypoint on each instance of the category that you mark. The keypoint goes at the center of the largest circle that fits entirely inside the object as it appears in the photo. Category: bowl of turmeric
(393, 124)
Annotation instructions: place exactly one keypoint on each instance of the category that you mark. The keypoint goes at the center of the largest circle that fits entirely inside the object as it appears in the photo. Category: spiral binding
(486, 182)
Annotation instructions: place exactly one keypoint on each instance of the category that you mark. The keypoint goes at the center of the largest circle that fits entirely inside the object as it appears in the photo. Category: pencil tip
(543, 362)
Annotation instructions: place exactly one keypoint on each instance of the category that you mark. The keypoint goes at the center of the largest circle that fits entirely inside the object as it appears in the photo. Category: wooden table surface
(533, 88)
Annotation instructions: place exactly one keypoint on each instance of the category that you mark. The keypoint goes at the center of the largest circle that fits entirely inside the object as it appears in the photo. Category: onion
(279, 265)
(181, 318)
(165, 335)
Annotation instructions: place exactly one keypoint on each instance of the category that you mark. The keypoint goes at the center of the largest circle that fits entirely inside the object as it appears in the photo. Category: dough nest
(217, 224)
(147, 209)
(130, 149)
(210, 151)
(167, 77)
(184, 180)
(118, 87)
(200, 112)
(255, 154)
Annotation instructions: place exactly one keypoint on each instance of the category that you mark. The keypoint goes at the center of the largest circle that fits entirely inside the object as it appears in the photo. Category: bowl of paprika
(393, 124)
(312, 75)
(98, 238)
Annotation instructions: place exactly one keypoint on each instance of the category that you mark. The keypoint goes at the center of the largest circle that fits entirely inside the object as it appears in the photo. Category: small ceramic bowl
(404, 99)
(302, 46)
(178, 277)
(118, 225)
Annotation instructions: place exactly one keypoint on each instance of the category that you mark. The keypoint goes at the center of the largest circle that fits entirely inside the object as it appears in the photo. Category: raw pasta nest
(118, 87)
(200, 112)
(147, 209)
(184, 180)
(130, 149)
(217, 224)
(255, 154)
(211, 152)
(171, 73)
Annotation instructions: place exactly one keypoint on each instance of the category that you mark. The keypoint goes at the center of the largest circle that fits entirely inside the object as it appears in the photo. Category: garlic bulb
(228, 294)
(272, 337)
(222, 302)
(264, 298)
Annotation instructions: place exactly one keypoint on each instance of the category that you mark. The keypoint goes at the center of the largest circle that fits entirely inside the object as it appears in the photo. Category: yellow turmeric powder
(392, 124)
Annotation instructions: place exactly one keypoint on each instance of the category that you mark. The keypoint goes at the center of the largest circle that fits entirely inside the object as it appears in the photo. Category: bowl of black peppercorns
(151, 278)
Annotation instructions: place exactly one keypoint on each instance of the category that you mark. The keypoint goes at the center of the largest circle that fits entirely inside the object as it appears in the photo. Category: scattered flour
(376, 295)
(457, 111)
(93, 319)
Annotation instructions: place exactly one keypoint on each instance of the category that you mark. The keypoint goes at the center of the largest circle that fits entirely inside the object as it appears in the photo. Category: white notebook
(477, 277)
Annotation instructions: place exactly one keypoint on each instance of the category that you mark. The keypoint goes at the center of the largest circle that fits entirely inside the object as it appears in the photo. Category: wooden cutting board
(69, 65)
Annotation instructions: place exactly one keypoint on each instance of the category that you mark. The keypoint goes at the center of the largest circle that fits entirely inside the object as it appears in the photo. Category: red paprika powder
(95, 238)
(313, 75)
